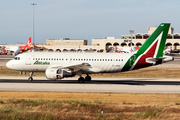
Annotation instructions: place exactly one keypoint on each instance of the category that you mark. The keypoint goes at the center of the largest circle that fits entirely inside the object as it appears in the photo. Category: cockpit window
(17, 58)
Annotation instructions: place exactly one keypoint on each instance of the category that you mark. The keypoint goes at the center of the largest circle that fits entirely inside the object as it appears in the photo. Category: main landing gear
(30, 77)
(81, 79)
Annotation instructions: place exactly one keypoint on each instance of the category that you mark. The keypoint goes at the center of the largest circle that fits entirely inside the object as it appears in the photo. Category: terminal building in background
(101, 45)
(66, 44)
(173, 40)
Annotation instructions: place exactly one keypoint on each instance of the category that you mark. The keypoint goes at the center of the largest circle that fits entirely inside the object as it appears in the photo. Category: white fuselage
(40, 61)
(11, 48)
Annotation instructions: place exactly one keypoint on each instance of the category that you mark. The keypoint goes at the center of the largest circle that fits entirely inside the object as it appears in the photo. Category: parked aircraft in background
(134, 49)
(126, 49)
(3, 51)
(19, 49)
(58, 65)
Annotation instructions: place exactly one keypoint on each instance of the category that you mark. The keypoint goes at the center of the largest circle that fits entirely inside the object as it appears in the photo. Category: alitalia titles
(41, 63)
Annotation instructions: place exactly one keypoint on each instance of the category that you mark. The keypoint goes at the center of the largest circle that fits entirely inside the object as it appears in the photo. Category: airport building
(173, 40)
(100, 45)
(66, 44)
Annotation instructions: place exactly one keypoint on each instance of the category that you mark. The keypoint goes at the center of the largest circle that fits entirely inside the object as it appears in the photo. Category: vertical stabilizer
(151, 52)
(155, 44)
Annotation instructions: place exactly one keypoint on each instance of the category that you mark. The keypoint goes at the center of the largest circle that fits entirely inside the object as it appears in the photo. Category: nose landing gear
(30, 77)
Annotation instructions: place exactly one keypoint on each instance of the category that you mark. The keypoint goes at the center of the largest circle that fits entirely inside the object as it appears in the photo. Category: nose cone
(9, 65)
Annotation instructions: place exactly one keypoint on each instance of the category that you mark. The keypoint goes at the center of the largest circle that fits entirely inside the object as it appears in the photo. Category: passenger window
(51, 58)
(18, 58)
(38, 58)
(122, 60)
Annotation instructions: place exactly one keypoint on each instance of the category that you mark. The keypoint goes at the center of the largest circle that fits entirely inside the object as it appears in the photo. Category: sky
(82, 19)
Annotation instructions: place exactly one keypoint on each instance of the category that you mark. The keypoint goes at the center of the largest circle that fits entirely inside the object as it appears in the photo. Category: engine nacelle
(54, 73)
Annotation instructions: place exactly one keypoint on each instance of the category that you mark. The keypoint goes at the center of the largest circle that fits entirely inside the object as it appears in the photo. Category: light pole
(33, 24)
(131, 32)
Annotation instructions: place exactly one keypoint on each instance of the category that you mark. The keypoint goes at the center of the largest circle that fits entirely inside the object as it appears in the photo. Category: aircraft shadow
(120, 82)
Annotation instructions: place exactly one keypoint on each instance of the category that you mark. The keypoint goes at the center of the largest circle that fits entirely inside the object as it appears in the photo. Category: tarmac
(117, 85)
(120, 85)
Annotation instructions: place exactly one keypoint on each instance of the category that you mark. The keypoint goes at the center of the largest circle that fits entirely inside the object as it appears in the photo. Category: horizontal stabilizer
(153, 60)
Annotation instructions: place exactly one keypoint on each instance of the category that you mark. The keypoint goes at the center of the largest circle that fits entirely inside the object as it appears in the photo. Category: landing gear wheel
(81, 80)
(30, 79)
(88, 78)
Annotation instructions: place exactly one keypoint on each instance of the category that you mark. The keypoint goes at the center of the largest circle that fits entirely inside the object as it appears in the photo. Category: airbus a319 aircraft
(59, 65)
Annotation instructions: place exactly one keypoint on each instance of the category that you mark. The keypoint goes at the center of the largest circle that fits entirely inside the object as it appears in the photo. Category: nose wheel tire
(30, 79)
(81, 80)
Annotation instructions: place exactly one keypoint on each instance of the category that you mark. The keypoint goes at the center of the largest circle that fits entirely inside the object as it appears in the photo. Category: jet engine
(54, 73)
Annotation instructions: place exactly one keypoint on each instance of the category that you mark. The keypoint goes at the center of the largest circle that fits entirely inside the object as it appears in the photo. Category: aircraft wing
(75, 68)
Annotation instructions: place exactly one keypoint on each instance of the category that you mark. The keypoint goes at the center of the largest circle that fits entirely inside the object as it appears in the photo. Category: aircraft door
(28, 60)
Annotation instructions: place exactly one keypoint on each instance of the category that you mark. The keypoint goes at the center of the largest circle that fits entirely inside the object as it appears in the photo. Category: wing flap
(75, 68)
